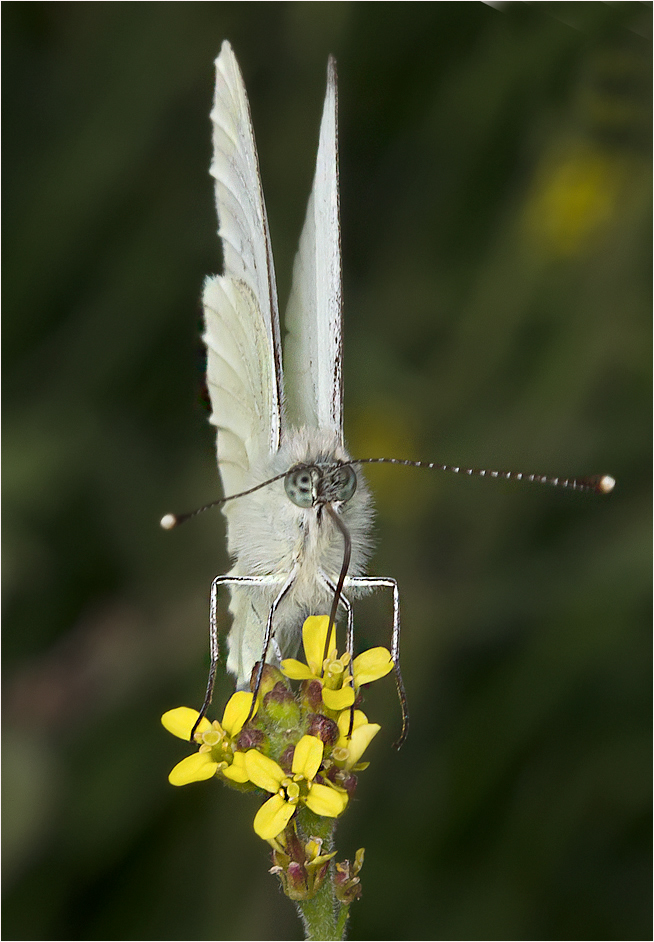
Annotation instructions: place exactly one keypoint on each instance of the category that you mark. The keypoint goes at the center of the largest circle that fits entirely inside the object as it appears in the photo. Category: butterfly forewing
(313, 346)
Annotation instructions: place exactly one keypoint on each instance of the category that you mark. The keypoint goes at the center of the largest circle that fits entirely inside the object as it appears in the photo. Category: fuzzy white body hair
(269, 535)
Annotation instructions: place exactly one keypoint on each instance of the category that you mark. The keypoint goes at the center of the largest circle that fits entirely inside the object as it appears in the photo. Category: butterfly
(299, 512)
(294, 540)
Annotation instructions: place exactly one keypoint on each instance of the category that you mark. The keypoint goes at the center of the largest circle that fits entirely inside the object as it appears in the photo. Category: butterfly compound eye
(298, 485)
(343, 483)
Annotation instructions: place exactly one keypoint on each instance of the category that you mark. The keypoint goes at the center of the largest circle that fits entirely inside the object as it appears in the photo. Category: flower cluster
(301, 748)
(326, 734)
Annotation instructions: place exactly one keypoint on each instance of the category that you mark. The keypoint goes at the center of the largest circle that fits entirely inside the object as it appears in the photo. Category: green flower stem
(341, 922)
(324, 917)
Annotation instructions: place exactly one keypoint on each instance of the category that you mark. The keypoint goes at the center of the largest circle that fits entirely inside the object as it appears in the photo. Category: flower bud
(270, 676)
(324, 728)
(286, 758)
(312, 694)
(250, 738)
(281, 706)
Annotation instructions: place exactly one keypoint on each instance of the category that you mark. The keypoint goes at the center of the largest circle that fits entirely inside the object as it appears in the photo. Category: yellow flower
(349, 748)
(339, 682)
(289, 791)
(217, 752)
(574, 199)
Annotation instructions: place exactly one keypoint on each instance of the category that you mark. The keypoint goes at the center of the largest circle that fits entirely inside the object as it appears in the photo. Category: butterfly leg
(213, 631)
(384, 582)
(269, 629)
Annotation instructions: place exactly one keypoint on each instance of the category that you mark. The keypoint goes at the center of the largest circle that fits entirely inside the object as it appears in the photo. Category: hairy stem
(323, 916)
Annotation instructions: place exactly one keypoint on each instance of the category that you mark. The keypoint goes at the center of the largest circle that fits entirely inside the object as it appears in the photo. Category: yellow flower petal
(196, 768)
(296, 670)
(362, 736)
(326, 801)
(263, 771)
(371, 665)
(344, 722)
(314, 635)
(338, 699)
(272, 817)
(180, 722)
(236, 712)
(307, 757)
(237, 771)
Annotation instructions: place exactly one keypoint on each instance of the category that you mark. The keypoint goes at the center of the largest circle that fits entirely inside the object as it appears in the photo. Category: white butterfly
(288, 539)
(301, 531)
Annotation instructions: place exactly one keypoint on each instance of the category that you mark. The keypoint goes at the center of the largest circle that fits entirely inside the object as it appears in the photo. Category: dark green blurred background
(495, 168)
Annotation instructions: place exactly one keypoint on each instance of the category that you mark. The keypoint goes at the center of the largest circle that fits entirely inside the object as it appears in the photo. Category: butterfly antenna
(345, 565)
(598, 484)
(170, 521)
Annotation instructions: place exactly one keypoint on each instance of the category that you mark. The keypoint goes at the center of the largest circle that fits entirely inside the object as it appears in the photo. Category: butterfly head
(310, 485)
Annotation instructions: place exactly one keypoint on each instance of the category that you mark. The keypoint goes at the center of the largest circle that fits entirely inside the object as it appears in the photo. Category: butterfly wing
(242, 336)
(313, 347)
(240, 306)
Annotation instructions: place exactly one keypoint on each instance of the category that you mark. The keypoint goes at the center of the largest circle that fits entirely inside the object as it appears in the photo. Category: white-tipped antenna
(597, 484)
(170, 521)
(606, 484)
